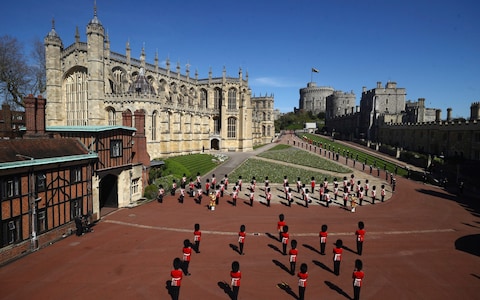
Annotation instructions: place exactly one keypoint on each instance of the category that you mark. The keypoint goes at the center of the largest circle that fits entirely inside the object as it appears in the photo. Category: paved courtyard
(422, 243)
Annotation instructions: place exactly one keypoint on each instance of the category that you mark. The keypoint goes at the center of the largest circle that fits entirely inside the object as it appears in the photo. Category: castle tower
(475, 111)
(313, 97)
(95, 44)
(449, 114)
(55, 110)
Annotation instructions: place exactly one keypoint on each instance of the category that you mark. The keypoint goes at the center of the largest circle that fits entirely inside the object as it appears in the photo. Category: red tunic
(285, 237)
(358, 278)
(293, 255)
(360, 233)
(241, 237)
(280, 225)
(187, 252)
(337, 254)
(197, 236)
(177, 276)
(323, 237)
(302, 279)
(236, 276)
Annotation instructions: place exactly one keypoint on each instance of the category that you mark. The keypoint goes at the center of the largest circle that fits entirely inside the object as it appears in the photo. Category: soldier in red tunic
(281, 222)
(357, 277)
(241, 239)
(234, 196)
(235, 275)
(360, 236)
(176, 275)
(187, 253)
(197, 236)
(285, 237)
(293, 256)
(268, 196)
(302, 281)
(337, 256)
(382, 192)
(161, 193)
(323, 238)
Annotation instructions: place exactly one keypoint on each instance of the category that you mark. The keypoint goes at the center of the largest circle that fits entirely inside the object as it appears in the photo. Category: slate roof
(18, 150)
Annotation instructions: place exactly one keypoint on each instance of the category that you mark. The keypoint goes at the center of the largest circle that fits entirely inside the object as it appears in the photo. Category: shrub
(151, 191)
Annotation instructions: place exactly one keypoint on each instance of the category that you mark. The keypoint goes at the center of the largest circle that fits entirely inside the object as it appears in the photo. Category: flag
(315, 70)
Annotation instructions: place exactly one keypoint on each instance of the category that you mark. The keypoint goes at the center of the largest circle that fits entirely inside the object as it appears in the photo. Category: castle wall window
(232, 127)
(217, 98)
(134, 186)
(116, 148)
(40, 183)
(154, 126)
(41, 220)
(75, 208)
(76, 98)
(10, 187)
(204, 98)
(111, 117)
(11, 230)
(232, 99)
(76, 175)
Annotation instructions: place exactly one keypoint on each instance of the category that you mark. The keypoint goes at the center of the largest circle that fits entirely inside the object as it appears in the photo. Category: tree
(17, 77)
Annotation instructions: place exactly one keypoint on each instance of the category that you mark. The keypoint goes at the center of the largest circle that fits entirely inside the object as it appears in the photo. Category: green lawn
(360, 156)
(301, 157)
(275, 172)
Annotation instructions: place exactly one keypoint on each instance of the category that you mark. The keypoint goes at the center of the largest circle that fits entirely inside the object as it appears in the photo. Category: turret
(53, 67)
(95, 42)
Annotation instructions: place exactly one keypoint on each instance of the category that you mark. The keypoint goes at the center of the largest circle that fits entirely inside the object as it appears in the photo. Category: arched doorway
(108, 194)
(215, 144)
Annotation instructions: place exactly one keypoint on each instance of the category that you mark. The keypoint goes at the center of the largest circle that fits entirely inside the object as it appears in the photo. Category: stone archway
(215, 144)
(108, 194)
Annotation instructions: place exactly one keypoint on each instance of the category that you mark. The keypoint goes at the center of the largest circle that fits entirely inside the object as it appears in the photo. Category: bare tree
(38, 68)
(17, 77)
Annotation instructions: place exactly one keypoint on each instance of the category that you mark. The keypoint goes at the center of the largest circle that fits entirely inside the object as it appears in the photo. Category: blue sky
(431, 48)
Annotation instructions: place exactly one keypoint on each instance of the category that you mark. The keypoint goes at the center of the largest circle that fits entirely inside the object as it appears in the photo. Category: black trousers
(356, 293)
(359, 247)
(235, 290)
(336, 267)
(301, 293)
(322, 248)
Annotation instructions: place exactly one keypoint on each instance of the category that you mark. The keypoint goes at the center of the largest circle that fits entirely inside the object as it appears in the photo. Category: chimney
(438, 115)
(40, 115)
(127, 118)
(30, 115)
(140, 140)
(449, 114)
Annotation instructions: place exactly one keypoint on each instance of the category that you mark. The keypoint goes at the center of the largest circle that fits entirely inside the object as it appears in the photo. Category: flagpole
(311, 75)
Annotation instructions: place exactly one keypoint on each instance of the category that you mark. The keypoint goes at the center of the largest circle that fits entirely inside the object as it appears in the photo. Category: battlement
(441, 123)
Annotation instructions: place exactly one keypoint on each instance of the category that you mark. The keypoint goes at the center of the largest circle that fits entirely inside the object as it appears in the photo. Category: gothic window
(264, 116)
(217, 99)
(232, 127)
(263, 130)
(216, 126)
(269, 130)
(232, 99)
(154, 126)
(203, 98)
(76, 88)
(111, 117)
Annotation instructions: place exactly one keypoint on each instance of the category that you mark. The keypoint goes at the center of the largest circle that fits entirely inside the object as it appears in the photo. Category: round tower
(55, 109)
(95, 64)
(313, 97)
